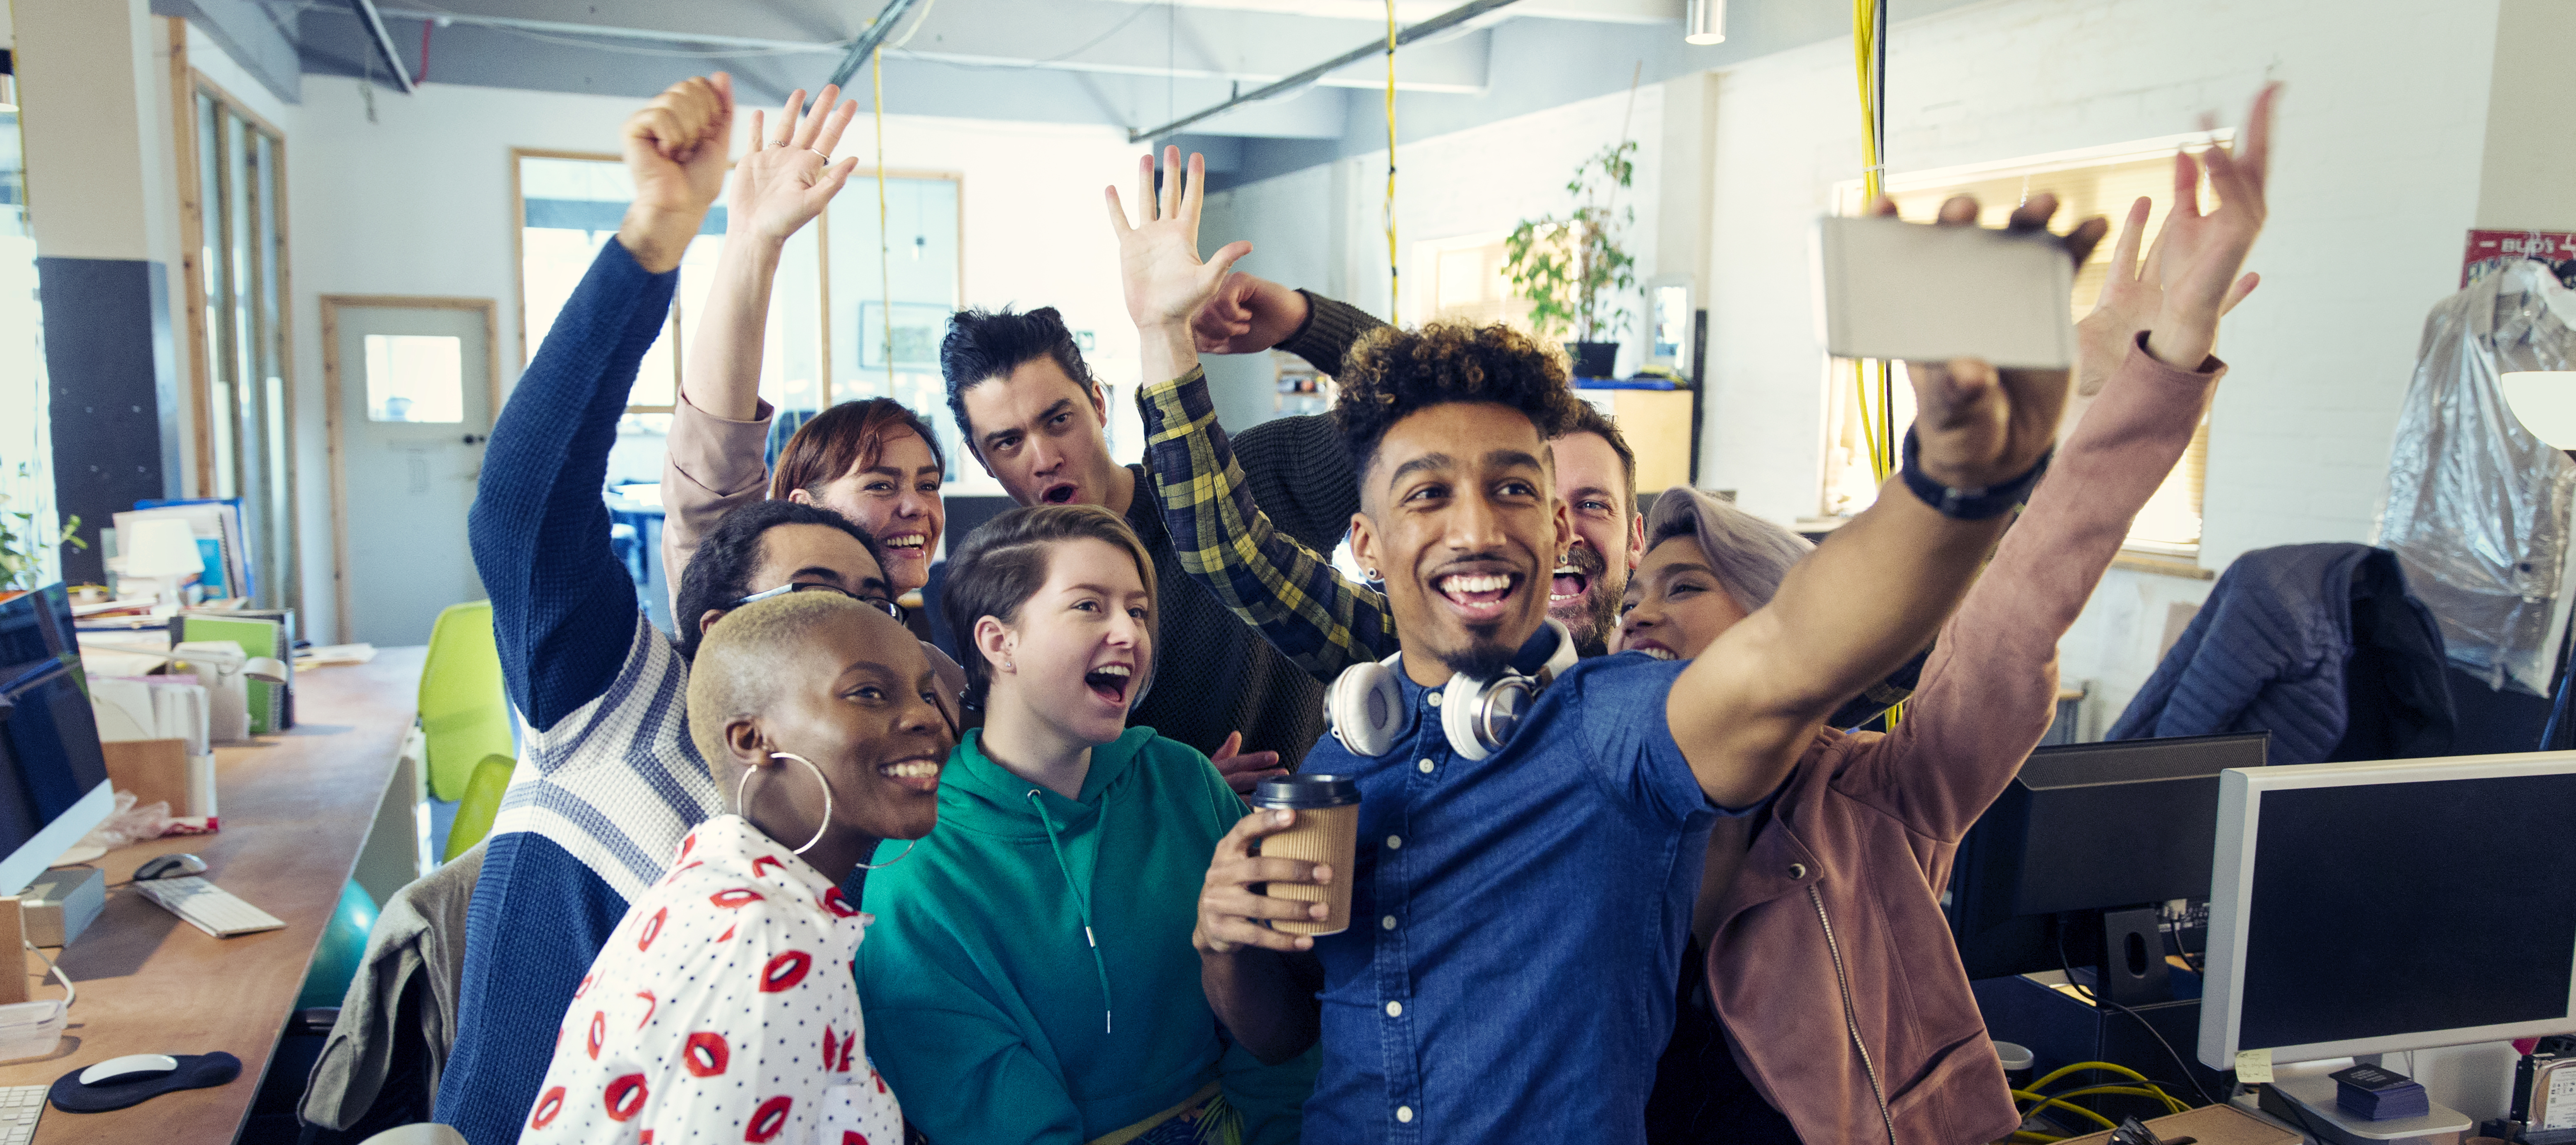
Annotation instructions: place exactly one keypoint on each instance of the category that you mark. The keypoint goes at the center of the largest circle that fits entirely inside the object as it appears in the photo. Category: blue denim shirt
(1517, 922)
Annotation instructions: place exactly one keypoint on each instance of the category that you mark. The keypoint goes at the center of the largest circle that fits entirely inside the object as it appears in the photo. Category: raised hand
(1977, 426)
(1158, 258)
(1230, 911)
(791, 178)
(675, 149)
(1247, 315)
(2203, 252)
(2133, 296)
(1243, 770)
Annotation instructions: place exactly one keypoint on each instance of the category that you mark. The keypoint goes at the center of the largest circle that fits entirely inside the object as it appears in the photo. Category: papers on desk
(330, 654)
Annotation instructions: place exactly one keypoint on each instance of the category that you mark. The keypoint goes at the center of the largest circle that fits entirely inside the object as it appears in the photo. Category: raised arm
(1879, 588)
(563, 609)
(1306, 609)
(714, 461)
(1247, 315)
(1988, 692)
(1318, 618)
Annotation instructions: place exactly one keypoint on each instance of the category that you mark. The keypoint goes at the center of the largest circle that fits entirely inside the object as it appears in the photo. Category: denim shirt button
(1435, 699)
(1424, 767)
(1394, 841)
(1797, 870)
(1404, 1113)
(1395, 1009)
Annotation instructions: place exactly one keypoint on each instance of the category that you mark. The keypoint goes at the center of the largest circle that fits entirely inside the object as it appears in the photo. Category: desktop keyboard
(19, 1105)
(207, 907)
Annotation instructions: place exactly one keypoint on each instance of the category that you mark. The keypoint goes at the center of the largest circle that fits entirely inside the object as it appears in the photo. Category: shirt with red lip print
(718, 1011)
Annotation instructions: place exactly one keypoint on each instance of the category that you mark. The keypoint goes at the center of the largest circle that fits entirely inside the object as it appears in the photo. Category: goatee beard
(1483, 660)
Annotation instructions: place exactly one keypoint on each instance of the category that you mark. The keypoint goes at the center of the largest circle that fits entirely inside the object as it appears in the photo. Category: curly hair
(1392, 374)
(721, 572)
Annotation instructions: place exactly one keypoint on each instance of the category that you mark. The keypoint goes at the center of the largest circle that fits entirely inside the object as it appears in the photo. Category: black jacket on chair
(2321, 645)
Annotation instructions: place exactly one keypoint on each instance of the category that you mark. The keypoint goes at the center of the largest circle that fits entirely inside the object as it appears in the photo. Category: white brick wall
(1481, 180)
(2375, 180)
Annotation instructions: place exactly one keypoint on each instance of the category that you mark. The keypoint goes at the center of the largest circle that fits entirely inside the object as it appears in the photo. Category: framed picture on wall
(918, 327)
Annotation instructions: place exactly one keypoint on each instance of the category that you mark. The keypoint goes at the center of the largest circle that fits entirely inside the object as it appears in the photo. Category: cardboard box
(162, 771)
(2210, 1125)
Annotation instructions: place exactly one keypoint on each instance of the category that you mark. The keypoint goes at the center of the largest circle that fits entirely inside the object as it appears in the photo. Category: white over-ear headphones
(1365, 707)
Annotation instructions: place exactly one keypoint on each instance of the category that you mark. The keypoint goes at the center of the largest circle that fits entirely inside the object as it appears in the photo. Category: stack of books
(2376, 1094)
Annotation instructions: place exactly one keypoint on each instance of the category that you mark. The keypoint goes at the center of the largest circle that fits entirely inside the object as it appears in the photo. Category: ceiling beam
(366, 10)
(867, 42)
(1431, 27)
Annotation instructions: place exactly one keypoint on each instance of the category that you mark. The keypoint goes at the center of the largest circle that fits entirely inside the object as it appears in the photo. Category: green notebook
(257, 638)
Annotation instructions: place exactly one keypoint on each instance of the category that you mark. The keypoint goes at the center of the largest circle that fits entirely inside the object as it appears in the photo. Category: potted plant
(20, 545)
(1573, 269)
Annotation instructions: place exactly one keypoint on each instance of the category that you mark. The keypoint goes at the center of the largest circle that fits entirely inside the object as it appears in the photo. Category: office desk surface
(296, 808)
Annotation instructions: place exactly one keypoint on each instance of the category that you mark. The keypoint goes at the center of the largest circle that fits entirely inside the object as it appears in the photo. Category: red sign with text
(2491, 246)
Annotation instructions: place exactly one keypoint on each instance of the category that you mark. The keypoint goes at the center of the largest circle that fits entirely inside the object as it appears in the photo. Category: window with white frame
(2096, 181)
(822, 345)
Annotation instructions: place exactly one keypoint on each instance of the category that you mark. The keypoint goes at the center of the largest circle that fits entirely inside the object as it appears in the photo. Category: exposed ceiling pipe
(1440, 23)
(867, 42)
(384, 43)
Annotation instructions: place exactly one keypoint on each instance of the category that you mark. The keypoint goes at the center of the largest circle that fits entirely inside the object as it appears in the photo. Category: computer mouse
(131, 1067)
(169, 867)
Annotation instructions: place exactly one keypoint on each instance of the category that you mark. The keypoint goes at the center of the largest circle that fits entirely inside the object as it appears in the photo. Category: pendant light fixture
(1706, 23)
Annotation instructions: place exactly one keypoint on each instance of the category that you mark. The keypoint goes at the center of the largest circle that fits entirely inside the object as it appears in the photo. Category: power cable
(885, 258)
(1394, 277)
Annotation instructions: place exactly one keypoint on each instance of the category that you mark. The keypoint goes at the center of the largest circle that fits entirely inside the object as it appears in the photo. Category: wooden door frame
(331, 304)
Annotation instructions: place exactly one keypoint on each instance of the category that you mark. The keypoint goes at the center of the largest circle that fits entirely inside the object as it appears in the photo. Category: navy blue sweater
(607, 772)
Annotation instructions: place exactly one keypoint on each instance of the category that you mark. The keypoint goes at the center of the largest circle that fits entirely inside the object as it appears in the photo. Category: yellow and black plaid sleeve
(1301, 604)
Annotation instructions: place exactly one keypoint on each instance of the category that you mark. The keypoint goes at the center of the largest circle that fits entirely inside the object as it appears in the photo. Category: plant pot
(1594, 359)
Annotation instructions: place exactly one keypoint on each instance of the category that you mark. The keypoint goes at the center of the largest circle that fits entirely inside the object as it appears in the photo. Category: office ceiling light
(1706, 23)
(2545, 401)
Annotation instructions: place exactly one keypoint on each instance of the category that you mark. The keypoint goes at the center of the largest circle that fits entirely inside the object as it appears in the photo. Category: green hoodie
(989, 1013)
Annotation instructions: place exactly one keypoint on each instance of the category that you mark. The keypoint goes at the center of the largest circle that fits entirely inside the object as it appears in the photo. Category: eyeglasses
(878, 603)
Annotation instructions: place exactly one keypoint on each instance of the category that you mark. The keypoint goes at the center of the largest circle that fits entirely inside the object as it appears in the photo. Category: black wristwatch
(1967, 504)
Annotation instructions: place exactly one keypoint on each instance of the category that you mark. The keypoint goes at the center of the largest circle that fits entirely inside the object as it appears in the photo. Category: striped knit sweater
(608, 780)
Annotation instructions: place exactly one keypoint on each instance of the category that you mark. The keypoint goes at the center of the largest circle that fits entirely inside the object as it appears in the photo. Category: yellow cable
(2033, 1137)
(2171, 1104)
(2023, 1095)
(2079, 1067)
(1394, 279)
(885, 258)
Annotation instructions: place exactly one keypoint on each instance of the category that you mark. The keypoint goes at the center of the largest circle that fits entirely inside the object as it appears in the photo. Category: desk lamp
(163, 548)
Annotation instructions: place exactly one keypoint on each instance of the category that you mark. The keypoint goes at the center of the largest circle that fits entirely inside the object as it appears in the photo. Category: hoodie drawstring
(1082, 905)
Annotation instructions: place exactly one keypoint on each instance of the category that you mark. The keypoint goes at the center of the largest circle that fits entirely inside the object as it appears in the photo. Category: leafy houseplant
(20, 545)
(1572, 269)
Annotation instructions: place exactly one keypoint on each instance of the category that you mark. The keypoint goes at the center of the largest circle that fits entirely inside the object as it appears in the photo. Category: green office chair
(482, 801)
(464, 714)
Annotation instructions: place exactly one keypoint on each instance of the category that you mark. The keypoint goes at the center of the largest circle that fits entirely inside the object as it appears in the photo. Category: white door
(412, 382)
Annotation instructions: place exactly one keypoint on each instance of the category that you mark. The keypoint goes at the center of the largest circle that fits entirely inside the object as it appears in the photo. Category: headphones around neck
(1365, 705)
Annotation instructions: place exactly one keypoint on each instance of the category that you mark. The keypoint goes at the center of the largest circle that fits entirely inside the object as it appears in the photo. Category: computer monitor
(2087, 828)
(2362, 908)
(53, 776)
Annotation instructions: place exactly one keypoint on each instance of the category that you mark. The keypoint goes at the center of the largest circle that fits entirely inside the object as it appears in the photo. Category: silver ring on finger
(826, 158)
(778, 143)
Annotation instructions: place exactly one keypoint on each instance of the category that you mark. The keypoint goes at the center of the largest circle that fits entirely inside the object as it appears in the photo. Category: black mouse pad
(196, 1071)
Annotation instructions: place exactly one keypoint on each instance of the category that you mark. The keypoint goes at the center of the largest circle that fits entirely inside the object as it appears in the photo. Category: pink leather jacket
(1832, 966)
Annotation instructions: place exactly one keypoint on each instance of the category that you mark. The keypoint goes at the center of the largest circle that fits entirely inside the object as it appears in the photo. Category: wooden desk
(297, 809)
